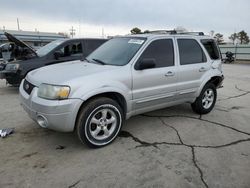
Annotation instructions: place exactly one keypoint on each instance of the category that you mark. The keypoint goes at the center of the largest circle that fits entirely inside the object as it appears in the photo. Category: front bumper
(59, 115)
(6, 73)
(12, 77)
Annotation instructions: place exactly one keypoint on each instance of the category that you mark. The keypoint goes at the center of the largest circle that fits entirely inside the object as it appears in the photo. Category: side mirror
(146, 64)
(58, 54)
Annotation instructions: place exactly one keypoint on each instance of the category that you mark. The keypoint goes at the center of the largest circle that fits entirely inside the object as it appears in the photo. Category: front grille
(28, 87)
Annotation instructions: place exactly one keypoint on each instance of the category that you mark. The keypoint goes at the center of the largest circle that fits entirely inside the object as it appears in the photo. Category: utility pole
(3, 28)
(18, 27)
(103, 32)
(72, 32)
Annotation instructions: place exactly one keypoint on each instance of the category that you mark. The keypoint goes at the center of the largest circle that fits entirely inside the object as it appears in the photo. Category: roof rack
(164, 31)
(191, 33)
(173, 32)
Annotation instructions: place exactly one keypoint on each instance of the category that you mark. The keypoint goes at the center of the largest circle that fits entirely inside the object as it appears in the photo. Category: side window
(211, 48)
(190, 52)
(72, 49)
(162, 51)
(91, 45)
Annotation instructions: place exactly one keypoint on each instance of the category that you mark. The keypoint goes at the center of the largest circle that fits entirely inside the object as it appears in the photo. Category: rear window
(190, 52)
(211, 48)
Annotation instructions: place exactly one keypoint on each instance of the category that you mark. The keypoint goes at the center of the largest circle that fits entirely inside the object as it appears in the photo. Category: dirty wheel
(99, 122)
(206, 101)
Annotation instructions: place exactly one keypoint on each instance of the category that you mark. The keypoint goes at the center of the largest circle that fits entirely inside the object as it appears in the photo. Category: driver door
(155, 87)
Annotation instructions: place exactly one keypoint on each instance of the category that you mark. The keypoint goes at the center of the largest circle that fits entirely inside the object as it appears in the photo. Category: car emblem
(27, 86)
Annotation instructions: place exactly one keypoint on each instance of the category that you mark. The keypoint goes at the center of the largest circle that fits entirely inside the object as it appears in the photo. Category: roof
(155, 34)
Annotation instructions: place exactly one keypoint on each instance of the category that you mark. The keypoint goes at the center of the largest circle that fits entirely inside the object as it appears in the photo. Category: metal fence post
(235, 53)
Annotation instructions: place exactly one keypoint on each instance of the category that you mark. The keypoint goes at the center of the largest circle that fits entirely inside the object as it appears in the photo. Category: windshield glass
(48, 47)
(117, 51)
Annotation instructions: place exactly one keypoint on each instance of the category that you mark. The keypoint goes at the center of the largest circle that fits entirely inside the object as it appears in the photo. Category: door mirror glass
(58, 54)
(146, 64)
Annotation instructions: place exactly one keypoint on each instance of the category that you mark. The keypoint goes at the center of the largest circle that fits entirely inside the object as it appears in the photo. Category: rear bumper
(56, 115)
(220, 82)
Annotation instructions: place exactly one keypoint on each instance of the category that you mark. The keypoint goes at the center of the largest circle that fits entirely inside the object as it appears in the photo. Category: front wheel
(99, 122)
(206, 100)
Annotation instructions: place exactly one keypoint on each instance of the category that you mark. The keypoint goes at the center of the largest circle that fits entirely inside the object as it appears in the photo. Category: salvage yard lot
(172, 147)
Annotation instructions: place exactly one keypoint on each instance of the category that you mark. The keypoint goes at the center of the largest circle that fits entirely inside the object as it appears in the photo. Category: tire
(99, 122)
(206, 101)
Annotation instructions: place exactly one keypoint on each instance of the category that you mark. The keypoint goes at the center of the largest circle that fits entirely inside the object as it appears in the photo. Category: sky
(93, 18)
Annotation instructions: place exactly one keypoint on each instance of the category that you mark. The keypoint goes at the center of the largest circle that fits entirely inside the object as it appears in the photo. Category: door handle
(202, 69)
(169, 73)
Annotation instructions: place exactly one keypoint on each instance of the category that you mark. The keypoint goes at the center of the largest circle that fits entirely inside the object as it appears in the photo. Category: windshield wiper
(99, 61)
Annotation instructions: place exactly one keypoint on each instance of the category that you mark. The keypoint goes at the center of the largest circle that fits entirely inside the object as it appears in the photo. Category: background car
(27, 59)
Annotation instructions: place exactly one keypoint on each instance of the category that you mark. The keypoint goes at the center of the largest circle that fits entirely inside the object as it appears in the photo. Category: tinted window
(49, 47)
(161, 51)
(91, 45)
(71, 49)
(211, 48)
(190, 52)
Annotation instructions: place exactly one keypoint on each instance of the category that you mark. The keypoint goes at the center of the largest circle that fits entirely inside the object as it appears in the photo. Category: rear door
(193, 64)
(155, 86)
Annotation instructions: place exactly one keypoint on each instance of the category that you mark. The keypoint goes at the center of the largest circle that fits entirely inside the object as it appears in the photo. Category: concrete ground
(172, 147)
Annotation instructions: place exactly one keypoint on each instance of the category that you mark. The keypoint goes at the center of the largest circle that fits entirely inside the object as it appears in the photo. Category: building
(32, 38)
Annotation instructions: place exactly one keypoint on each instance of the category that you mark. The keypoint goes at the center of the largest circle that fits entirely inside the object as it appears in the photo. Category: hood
(20, 43)
(60, 74)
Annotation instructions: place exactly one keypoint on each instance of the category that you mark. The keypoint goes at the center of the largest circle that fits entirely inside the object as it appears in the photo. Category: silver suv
(124, 77)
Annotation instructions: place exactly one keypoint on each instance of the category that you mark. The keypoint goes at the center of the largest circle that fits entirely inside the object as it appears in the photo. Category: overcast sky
(118, 16)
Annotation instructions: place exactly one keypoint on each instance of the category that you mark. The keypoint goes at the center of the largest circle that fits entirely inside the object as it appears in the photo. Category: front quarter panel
(118, 81)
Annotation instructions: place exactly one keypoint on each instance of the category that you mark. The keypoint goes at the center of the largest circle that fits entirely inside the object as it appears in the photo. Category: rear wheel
(206, 101)
(99, 122)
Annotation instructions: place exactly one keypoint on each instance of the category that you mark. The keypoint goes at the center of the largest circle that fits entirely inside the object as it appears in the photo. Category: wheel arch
(116, 96)
(216, 80)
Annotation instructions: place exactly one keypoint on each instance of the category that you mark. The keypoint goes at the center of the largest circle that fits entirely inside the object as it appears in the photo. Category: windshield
(117, 51)
(48, 47)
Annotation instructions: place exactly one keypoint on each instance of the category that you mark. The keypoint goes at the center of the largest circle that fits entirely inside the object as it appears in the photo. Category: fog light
(42, 121)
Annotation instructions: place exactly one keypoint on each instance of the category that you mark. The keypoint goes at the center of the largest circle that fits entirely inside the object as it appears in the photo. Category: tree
(233, 37)
(243, 37)
(219, 38)
(135, 30)
(146, 31)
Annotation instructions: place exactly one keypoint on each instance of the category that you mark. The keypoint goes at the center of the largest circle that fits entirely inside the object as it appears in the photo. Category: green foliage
(135, 30)
(219, 38)
(233, 37)
(243, 37)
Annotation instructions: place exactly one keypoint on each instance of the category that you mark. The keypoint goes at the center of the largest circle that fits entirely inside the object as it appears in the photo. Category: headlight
(53, 92)
(12, 67)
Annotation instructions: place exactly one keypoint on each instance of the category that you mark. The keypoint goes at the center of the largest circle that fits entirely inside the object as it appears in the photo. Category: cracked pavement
(172, 147)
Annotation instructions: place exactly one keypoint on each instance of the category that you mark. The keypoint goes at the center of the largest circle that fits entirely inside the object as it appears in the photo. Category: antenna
(18, 27)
